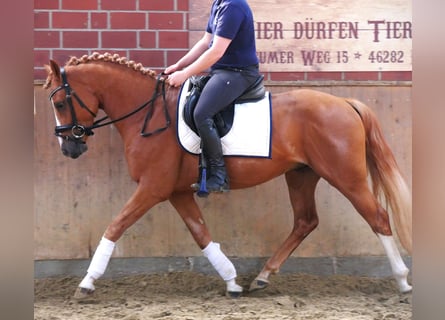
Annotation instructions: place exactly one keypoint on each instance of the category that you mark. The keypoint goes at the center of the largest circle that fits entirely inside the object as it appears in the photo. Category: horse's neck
(122, 93)
(127, 91)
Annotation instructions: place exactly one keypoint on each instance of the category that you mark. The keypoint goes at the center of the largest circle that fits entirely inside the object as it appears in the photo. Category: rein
(79, 131)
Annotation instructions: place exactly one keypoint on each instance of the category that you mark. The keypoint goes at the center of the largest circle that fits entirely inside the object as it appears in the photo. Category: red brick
(183, 5)
(80, 39)
(361, 76)
(127, 20)
(286, 76)
(150, 59)
(46, 39)
(80, 4)
(313, 76)
(174, 56)
(41, 20)
(39, 74)
(70, 20)
(147, 39)
(163, 5)
(119, 39)
(168, 21)
(173, 39)
(119, 4)
(396, 76)
(41, 57)
(46, 4)
(99, 20)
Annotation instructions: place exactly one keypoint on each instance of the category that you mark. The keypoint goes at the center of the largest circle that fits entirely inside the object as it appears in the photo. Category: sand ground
(191, 295)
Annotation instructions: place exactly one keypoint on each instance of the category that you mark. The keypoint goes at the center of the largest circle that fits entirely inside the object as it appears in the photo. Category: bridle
(78, 131)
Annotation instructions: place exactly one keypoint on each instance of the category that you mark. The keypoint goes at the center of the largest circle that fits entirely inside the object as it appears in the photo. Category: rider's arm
(197, 50)
(209, 57)
(202, 63)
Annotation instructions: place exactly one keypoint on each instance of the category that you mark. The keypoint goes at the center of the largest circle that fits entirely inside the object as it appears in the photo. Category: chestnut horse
(315, 135)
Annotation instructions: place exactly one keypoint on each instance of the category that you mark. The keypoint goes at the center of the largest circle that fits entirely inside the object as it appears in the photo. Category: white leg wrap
(399, 269)
(99, 263)
(219, 261)
(231, 286)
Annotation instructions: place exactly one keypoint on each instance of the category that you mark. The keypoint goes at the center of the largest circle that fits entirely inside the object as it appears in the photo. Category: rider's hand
(177, 78)
(171, 69)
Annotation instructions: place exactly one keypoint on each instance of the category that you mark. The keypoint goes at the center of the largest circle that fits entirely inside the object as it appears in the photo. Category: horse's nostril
(73, 149)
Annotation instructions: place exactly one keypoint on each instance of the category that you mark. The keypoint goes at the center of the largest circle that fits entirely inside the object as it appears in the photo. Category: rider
(228, 49)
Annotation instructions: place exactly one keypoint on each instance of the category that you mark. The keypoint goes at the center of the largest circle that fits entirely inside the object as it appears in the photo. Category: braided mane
(114, 58)
(107, 57)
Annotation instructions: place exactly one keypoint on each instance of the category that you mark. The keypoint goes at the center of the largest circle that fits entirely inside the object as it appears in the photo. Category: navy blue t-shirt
(233, 19)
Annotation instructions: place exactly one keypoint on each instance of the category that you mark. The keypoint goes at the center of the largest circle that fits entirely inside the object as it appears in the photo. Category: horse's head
(74, 115)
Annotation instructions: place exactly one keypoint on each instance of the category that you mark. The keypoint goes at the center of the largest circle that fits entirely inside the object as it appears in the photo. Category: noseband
(78, 131)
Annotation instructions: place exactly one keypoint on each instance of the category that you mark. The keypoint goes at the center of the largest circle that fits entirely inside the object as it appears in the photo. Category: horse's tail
(385, 175)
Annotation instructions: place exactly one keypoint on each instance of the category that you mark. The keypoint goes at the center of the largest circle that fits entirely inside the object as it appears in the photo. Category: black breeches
(221, 90)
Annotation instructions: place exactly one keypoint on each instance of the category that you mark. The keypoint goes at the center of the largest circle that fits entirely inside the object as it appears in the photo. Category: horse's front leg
(189, 211)
(140, 202)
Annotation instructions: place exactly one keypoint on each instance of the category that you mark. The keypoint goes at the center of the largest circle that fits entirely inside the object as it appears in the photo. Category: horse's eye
(59, 105)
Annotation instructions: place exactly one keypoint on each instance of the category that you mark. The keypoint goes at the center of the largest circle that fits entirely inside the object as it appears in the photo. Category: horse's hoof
(258, 284)
(406, 289)
(234, 294)
(83, 293)
(202, 194)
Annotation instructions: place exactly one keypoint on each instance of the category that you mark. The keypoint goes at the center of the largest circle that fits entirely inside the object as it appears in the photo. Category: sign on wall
(325, 35)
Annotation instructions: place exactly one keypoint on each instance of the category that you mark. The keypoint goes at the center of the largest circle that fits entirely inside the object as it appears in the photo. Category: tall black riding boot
(211, 147)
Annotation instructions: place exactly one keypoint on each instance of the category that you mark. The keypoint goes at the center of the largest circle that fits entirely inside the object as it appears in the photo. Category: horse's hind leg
(350, 178)
(189, 211)
(301, 184)
(377, 217)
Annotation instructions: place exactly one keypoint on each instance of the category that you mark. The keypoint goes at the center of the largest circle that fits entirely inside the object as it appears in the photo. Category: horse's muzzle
(73, 148)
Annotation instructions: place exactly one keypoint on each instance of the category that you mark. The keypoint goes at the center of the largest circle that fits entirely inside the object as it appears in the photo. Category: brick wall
(153, 32)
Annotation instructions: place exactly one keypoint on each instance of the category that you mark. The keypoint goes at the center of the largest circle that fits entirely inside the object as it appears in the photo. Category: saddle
(224, 119)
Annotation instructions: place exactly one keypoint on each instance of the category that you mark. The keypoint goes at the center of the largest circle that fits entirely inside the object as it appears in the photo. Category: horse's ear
(53, 71)
(54, 68)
